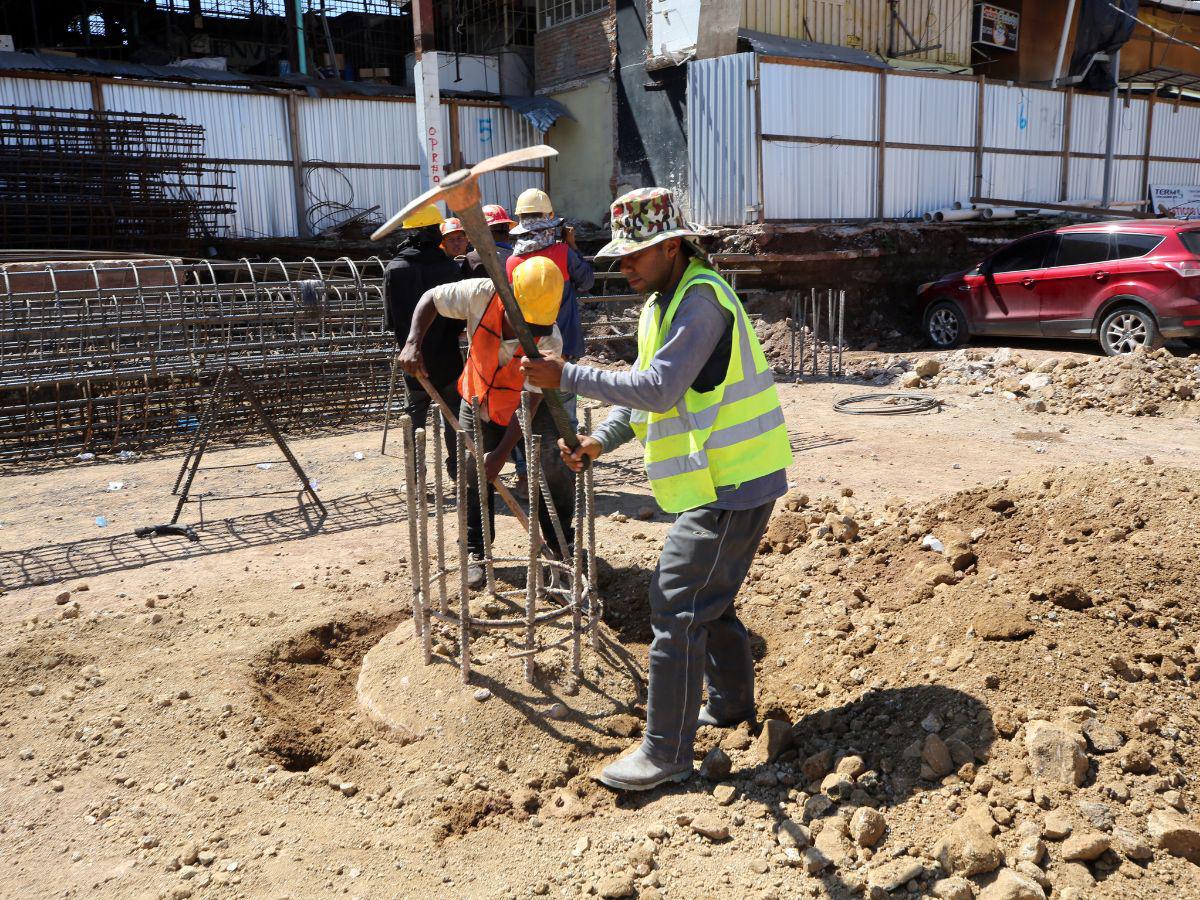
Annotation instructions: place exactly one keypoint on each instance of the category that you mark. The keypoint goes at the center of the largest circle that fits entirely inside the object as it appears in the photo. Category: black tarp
(1102, 29)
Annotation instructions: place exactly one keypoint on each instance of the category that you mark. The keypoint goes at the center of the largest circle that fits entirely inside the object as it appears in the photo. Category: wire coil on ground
(893, 404)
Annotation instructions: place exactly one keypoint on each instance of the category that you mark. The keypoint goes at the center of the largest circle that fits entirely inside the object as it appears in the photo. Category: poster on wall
(996, 26)
(1175, 201)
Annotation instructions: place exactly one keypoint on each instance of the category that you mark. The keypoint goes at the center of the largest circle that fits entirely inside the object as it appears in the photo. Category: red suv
(1127, 284)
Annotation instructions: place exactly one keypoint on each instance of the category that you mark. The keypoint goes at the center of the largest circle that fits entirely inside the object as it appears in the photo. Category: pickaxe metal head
(460, 192)
(460, 189)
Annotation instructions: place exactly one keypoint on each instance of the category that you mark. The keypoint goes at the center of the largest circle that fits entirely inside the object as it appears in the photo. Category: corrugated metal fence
(835, 142)
(343, 154)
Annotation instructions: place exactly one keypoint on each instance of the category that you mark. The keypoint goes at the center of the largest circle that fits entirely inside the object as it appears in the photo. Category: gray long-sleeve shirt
(696, 349)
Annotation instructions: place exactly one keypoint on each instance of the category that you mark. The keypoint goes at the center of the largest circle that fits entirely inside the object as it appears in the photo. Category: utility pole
(428, 91)
(1111, 141)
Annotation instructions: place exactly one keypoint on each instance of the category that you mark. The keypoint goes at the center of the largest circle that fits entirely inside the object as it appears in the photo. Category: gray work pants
(698, 637)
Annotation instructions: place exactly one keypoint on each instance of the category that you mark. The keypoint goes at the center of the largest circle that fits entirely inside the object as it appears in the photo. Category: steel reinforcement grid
(109, 356)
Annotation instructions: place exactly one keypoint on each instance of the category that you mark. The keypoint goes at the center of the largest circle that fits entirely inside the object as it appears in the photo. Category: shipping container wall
(869, 25)
(820, 145)
(355, 154)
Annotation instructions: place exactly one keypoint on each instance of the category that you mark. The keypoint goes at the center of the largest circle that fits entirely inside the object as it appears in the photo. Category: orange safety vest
(556, 253)
(496, 387)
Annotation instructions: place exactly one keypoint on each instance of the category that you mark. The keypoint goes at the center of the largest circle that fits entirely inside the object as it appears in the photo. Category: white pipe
(1062, 43)
(991, 212)
(955, 215)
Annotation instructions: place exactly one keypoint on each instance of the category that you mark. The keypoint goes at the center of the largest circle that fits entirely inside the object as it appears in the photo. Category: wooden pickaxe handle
(503, 491)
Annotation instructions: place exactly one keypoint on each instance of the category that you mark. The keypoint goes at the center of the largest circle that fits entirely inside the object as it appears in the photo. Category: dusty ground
(187, 721)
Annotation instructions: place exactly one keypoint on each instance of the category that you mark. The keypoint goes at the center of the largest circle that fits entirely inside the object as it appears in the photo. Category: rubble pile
(1141, 384)
(991, 696)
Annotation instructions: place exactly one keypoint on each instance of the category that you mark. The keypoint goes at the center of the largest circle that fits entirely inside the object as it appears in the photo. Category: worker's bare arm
(545, 372)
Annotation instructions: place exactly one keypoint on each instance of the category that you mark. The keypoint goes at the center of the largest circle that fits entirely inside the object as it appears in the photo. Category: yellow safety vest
(719, 438)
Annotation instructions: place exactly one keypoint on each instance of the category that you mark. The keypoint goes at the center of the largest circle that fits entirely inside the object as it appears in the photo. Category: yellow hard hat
(536, 201)
(538, 284)
(423, 217)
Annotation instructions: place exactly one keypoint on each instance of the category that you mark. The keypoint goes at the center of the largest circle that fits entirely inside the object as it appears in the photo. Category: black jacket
(416, 269)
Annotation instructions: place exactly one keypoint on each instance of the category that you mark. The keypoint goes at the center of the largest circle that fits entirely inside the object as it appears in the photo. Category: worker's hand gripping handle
(480, 236)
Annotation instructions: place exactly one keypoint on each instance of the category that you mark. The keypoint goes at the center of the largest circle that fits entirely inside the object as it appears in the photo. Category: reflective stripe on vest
(497, 387)
(719, 438)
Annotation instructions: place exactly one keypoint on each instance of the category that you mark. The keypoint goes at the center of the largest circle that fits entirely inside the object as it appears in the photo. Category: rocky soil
(1157, 383)
(971, 685)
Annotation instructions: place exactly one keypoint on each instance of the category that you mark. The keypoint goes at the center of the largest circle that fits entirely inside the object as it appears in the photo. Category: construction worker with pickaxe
(492, 378)
(702, 400)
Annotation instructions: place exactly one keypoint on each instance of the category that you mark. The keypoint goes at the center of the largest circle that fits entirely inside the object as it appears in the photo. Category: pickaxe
(460, 192)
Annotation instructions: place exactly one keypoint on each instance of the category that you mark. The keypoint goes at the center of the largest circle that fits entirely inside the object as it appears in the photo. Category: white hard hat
(534, 201)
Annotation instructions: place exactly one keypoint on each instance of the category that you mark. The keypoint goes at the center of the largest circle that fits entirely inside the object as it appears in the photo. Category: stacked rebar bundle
(104, 180)
(86, 365)
(555, 589)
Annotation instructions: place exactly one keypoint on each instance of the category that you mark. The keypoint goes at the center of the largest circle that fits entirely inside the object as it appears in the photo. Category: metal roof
(774, 45)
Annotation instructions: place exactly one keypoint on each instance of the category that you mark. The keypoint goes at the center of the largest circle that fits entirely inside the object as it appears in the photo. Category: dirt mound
(1026, 650)
(1141, 384)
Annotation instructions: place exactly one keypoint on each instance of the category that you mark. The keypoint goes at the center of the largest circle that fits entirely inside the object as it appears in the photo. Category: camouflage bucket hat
(643, 218)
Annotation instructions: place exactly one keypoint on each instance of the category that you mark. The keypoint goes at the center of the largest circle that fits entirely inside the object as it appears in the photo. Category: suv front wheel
(945, 325)
(1128, 328)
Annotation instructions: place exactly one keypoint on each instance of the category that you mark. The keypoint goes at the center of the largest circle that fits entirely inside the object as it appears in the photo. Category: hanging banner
(1175, 201)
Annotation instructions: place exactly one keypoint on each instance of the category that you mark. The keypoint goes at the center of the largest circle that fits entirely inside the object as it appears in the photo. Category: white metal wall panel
(924, 110)
(818, 101)
(722, 157)
(50, 93)
(1176, 132)
(237, 124)
(1089, 125)
(389, 189)
(1022, 118)
(916, 181)
(1009, 176)
(484, 131)
(504, 186)
(364, 131)
(1174, 173)
(265, 201)
(816, 181)
(1085, 182)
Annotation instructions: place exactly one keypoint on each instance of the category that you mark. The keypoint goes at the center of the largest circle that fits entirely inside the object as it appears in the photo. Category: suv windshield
(1191, 240)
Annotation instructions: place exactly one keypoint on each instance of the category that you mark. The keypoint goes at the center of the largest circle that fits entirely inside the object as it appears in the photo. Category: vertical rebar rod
(484, 522)
(841, 329)
(387, 409)
(803, 324)
(816, 332)
(533, 577)
(595, 607)
(547, 497)
(577, 577)
(408, 442)
(829, 319)
(792, 357)
(439, 498)
(423, 545)
(464, 590)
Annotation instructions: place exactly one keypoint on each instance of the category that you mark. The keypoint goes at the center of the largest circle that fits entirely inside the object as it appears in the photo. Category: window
(1025, 254)
(1191, 241)
(555, 12)
(1131, 245)
(1084, 249)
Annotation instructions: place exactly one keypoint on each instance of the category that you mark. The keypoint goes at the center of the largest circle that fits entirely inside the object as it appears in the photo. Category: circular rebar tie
(893, 404)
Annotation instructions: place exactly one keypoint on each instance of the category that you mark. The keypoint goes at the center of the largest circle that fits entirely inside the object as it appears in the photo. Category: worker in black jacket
(421, 264)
